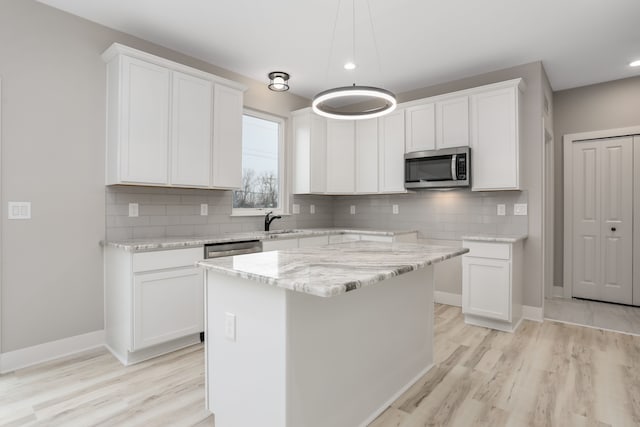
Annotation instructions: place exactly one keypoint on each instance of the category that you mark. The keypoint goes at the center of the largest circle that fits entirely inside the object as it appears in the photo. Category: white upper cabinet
(191, 131)
(341, 156)
(139, 135)
(227, 137)
(495, 138)
(162, 124)
(391, 160)
(452, 122)
(420, 128)
(367, 156)
(310, 153)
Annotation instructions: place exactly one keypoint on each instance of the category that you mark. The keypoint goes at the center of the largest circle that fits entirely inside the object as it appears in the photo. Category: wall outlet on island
(230, 326)
(312, 209)
(502, 210)
(396, 209)
(353, 209)
(296, 209)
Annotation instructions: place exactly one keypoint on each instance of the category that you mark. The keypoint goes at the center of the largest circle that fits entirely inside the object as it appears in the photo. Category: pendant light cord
(353, 41)
(373, 34)
(333, 39)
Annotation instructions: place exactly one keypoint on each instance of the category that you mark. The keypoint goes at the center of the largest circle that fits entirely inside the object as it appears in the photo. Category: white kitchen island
(325, 336)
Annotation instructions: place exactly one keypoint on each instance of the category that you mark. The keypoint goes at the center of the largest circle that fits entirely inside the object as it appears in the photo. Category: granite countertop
(495, 238)
(332, 270)
(139, 245)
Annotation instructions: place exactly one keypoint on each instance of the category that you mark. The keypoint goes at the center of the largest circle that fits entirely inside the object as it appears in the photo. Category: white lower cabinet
(492, 284)
(154, 302)
(279, 245)
(167, 304)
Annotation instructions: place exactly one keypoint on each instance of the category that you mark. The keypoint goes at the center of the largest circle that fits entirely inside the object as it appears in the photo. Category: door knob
(613, 229)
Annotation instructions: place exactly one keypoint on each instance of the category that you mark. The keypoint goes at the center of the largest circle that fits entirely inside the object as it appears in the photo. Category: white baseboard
(557, 292)
(532, 313)
(447, 298)
(29, 356)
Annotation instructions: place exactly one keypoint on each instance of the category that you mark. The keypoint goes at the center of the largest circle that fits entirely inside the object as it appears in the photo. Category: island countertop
(332, 270)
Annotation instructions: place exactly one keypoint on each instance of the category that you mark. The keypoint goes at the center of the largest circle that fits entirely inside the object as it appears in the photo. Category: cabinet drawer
(488, 250)
(160, 260)
(279, 245)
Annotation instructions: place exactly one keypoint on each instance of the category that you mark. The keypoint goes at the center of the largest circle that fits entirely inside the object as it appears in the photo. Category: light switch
(296, 208)
(19, 210)
(520, 209)
(133, 209)
(353, 209)
(396, 210)
(501, 210)
(204, 209)
(230, 326)
(312, 209)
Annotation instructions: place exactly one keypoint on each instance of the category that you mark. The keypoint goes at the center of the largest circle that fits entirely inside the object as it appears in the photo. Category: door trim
(568, 141)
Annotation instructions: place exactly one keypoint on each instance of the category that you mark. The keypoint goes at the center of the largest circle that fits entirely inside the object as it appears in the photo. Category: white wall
(53, 117)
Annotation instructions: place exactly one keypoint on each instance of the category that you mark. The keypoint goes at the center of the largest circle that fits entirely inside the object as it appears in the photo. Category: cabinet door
(366, 156)
(318, 154)
(494, 140)
(227, 137)
(340, 156)
(420, 128)
(277, 245)
(486, 287)
(307, 242)
(144, 136)
(167, 305)
(452, 123)
(391, 159)
(191, 130)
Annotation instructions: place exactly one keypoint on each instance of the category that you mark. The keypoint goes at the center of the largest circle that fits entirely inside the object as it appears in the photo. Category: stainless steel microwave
(448, 167)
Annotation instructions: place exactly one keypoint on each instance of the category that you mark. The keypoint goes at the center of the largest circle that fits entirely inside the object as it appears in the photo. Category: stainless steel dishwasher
(217, 250)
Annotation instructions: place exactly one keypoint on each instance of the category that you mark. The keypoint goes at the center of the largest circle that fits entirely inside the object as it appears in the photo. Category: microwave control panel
(462, 167)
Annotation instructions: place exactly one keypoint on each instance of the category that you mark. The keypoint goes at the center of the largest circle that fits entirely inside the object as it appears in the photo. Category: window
(262, 159)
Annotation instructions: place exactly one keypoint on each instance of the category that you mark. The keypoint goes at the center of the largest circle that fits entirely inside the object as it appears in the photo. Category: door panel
(602, 203)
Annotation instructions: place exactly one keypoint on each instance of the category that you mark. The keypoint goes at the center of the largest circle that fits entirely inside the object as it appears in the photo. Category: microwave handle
(454, 169)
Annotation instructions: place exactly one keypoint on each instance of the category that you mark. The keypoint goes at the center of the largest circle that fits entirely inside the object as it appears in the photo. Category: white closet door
(636, 219)
(602, 206)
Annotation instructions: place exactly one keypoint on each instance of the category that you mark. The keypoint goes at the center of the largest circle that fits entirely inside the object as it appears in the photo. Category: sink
(275, 233)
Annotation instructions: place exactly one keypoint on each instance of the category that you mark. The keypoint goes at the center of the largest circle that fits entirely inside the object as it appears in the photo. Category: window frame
(282, 178)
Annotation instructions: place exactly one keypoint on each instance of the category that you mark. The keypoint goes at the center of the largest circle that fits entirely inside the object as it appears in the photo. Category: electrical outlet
(133, 209)
(204, 209)
(353, 209)
(501, 210)
(19, 210)
(230, 326)
(396, 210)
(520, 209)
(296, 208)
(312, 209)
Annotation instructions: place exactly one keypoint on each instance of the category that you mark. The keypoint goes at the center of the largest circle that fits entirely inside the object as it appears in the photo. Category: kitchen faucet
(268, 219)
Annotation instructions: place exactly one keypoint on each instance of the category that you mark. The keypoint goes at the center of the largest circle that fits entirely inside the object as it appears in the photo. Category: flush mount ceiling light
(278, 81)
(354, 102)
(635, 63)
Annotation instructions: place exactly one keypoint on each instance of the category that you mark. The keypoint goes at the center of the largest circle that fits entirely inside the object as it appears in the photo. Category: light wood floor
(548, 374)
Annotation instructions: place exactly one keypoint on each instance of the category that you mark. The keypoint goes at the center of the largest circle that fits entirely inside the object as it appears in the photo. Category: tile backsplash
(167, 212)
(446, 215)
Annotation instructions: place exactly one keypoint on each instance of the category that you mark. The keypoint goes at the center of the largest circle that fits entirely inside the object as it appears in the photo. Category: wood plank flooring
(548, 374)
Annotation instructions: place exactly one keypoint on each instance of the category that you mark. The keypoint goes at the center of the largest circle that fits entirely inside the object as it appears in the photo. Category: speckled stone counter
(332, 270)
(151, 244)
(495, 238)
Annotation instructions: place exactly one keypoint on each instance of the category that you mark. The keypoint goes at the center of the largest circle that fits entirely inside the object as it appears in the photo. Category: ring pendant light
(354, 102)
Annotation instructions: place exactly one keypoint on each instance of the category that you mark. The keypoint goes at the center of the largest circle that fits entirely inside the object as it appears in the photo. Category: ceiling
(419, 42)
